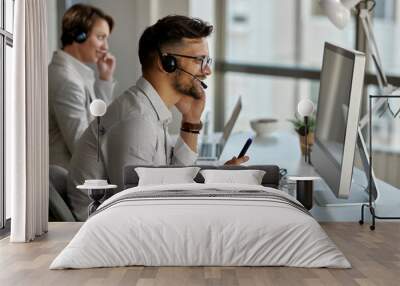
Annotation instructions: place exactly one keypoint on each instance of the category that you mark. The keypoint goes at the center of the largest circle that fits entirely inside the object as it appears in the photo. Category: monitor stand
(324, 197)
(359, 193)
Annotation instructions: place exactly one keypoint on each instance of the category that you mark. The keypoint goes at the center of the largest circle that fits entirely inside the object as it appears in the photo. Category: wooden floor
(374, 255)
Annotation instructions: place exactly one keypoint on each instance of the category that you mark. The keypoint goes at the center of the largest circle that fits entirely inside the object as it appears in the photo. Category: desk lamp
(98, 108)
(305, 108)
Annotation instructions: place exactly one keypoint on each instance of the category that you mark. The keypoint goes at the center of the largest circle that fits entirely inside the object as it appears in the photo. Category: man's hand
(192, 108)
(106, 66)
(237, 161)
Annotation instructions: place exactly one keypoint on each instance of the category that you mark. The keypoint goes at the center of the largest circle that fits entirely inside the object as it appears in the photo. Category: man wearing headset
(175, 59)
(72, 84)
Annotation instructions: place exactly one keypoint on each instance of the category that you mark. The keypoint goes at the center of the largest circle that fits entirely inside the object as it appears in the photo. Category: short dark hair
(169, 30)
(81, 18)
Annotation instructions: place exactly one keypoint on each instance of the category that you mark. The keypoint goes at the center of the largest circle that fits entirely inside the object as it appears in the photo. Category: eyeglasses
(205, 60)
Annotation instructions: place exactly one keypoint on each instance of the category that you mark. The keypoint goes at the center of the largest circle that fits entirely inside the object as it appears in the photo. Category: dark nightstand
(304, 190)
(96, 194)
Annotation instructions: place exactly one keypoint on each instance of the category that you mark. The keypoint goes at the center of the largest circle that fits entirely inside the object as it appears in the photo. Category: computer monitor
(338, 110)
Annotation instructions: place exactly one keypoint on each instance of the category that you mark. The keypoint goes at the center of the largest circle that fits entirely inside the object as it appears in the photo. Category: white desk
(283, 149)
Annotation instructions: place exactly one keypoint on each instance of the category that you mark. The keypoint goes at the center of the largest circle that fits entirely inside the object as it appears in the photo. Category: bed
(201, 224)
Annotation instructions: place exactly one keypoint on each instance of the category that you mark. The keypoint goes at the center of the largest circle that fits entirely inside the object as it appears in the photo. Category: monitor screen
(339, 101)
(333, 103)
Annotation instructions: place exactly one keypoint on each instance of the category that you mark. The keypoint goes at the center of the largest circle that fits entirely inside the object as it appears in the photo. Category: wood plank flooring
(375, 257)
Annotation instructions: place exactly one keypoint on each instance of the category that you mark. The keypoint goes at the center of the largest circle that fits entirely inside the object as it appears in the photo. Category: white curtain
(27, 124)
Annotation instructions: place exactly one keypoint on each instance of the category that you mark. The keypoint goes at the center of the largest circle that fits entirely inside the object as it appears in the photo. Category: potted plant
(300, 128)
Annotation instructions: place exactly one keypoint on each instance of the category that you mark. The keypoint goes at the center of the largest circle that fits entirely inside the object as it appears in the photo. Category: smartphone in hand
(245, 147)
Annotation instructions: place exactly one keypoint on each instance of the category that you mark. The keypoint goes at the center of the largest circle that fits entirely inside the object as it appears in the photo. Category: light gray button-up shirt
(72, 87)
(135, 132)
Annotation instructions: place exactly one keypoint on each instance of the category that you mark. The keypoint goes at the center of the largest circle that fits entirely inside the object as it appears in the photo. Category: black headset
(170, 65)
(168, 62)
(79, 36)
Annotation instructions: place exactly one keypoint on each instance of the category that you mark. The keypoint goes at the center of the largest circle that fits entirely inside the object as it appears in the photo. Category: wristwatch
(192, 126)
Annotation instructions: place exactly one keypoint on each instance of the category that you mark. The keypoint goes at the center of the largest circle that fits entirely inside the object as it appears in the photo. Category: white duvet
(183, 231)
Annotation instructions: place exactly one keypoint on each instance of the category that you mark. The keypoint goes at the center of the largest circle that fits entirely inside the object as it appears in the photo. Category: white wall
(131, 17)
(124, 38)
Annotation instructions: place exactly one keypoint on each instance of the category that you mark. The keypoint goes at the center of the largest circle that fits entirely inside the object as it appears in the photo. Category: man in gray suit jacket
(72, 84)
(134, 131)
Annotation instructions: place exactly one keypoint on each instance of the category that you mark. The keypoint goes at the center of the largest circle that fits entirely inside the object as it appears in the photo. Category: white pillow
(249, 177)
(163, 176)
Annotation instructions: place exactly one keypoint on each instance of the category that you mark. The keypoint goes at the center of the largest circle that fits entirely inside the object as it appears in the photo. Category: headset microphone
(192, 75)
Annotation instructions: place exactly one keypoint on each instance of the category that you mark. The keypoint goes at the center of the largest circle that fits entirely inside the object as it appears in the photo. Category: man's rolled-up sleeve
(183, 155)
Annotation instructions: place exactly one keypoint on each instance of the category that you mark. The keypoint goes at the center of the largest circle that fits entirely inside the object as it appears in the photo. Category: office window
(386, 28)
(386, 140)
(280, 32)
(386, 129)
(277, 33)
(6, 43)
(266, 97)
(385, 9)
